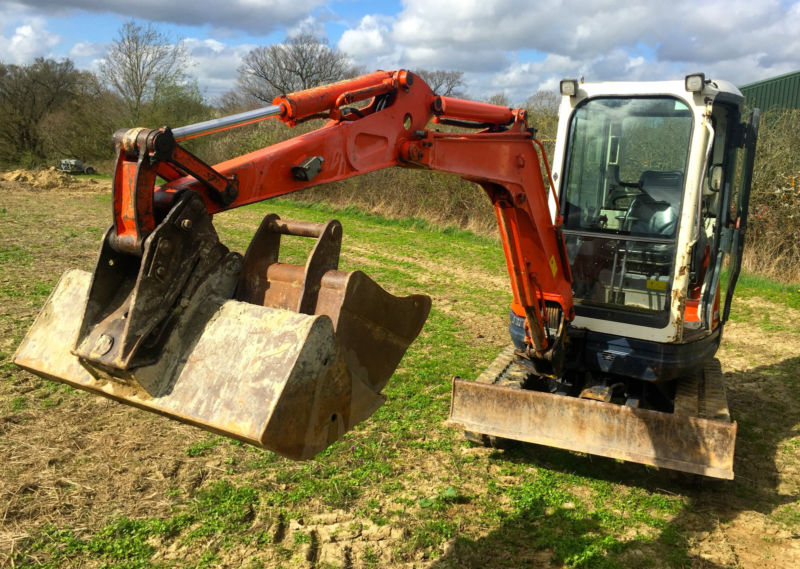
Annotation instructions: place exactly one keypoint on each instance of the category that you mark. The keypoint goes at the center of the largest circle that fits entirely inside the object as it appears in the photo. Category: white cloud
(739, 40)
(369, 39)
(85, 49)
(29, 40)
(215, 64)
(307, 26)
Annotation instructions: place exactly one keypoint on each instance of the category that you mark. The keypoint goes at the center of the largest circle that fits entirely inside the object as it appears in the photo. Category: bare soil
(69, 459)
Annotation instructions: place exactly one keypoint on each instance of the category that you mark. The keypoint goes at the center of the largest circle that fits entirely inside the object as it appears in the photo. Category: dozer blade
(275, 378)
(671, 440)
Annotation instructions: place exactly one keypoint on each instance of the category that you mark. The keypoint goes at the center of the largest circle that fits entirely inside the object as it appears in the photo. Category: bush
(772, 248)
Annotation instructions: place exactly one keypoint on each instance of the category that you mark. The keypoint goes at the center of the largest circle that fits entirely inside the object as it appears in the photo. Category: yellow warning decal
(656, 285)
(553, 266)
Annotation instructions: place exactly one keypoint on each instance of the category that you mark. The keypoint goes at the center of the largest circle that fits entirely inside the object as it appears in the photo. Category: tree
(141, 64)
(236, 101)
(28, 94)
(543, 102)
(499, 99)
(542, 109)
(82, 126)
(180, 104)
(444, 83)
(303, 62)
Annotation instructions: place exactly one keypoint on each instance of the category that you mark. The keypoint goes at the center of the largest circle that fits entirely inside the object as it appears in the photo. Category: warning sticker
(656, 285)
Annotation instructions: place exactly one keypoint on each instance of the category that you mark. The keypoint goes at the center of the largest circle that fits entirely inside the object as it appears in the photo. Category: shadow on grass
(763, 401)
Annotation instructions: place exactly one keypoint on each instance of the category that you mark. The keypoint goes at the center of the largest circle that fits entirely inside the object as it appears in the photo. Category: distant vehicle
(72, 166)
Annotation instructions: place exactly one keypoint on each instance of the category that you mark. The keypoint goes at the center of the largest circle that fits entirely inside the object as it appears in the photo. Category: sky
(513, 47)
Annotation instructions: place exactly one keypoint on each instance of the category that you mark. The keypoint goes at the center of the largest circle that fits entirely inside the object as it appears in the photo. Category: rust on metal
(131, 299)
(687, 443)
(597, 393)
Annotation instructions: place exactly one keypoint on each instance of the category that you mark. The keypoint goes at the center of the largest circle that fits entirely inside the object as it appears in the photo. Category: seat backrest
(663, 186)
(657, 210)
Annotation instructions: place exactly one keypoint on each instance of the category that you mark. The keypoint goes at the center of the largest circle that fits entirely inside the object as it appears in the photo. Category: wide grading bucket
(698, 437)
(257, 369)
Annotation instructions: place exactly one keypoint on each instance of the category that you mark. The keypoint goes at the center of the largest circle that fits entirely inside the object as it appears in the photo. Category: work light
(695, 82)
(569, 87)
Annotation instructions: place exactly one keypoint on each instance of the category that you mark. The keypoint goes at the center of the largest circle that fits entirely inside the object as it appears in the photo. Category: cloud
(215, 64)
(28, 40)
(510, 46)
(739, 40)
(258, 17)
(85, 49)
(371, 38)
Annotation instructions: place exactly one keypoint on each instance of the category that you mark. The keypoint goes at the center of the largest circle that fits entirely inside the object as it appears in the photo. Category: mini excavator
(615, 259)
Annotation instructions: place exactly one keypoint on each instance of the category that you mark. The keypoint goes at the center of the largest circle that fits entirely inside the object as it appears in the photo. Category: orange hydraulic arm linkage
(390, 130)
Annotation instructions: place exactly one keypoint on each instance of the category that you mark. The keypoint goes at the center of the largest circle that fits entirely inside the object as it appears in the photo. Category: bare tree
(499, 99)
(303, 62)
(80, 127)
(542, 109)
(543, 102)
(141, 63)
(445, 83)
(236, 101)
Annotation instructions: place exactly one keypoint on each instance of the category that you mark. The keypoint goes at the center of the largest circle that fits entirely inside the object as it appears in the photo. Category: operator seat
(656, 211)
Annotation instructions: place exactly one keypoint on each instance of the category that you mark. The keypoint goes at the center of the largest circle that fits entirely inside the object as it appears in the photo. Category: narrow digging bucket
(275, 378)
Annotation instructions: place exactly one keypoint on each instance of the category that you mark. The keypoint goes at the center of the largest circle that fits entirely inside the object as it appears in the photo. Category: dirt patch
(50, 179)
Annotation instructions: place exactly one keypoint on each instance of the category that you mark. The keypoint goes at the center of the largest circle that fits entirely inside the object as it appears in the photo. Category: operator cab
(645, 176)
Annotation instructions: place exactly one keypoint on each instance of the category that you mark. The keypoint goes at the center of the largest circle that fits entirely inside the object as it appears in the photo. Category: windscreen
(621, 201)
(627, 159)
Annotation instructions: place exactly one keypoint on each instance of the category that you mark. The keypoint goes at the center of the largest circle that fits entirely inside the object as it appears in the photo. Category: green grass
(15, 255)
(756, 287)
(202, 447)
(402, 469)
(749, 286)
(788, 516)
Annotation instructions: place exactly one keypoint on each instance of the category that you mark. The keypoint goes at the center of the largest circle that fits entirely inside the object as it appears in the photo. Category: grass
(749, 286)
(403, 472)
(202, 447)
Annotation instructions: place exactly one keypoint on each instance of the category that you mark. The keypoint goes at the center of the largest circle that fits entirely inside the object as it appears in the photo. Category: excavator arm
(391, 130)
(169, 307)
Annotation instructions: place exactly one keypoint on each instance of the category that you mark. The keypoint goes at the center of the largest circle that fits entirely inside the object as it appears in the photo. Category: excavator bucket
(281, 356)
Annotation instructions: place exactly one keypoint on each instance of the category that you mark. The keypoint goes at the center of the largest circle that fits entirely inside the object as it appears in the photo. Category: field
(85, 482)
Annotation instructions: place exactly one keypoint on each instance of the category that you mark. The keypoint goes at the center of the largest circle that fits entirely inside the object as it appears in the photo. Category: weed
(202, 447)
(124, 542)
(300, 538)
(223, 509)
(432, 533)
(370, 558)
(788, 515)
